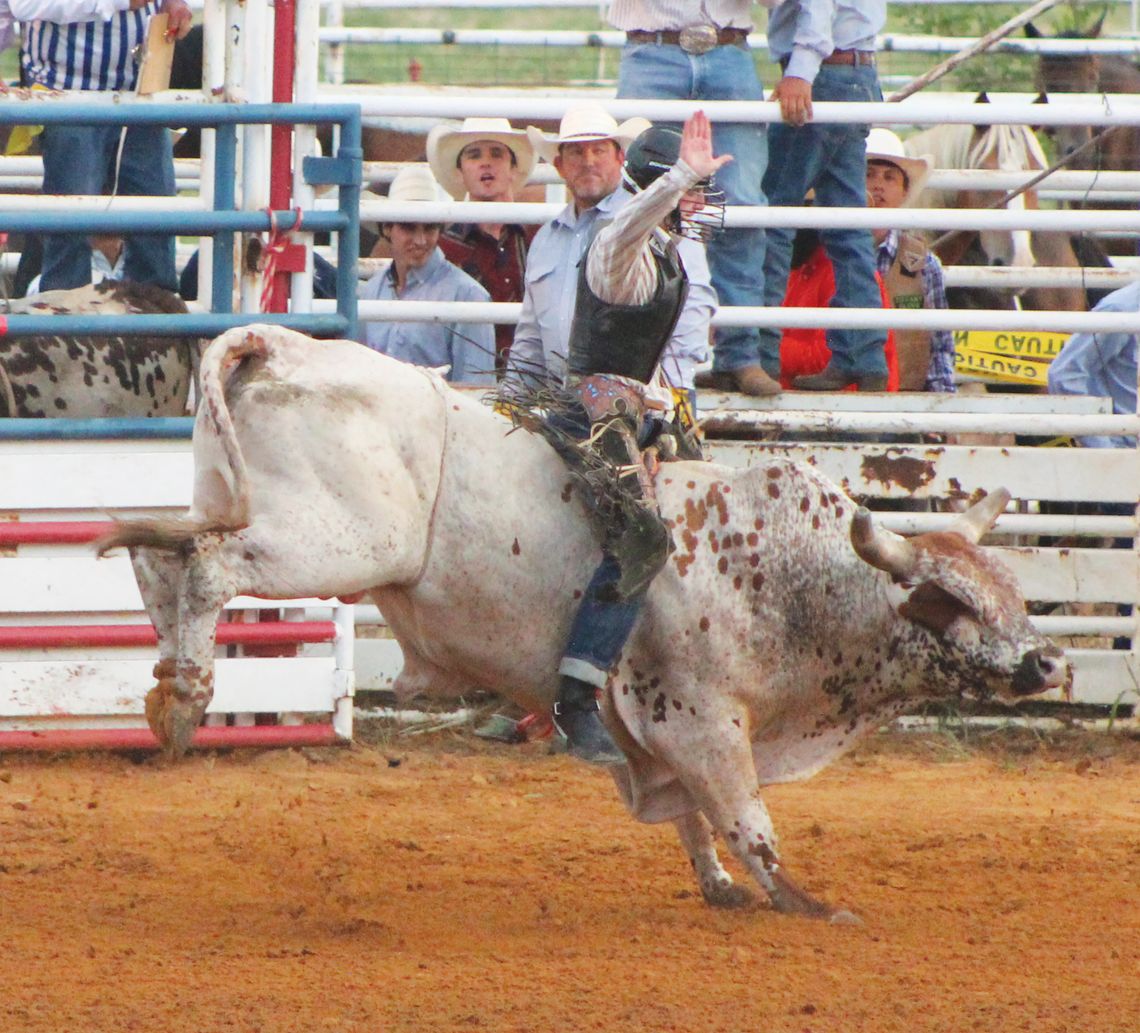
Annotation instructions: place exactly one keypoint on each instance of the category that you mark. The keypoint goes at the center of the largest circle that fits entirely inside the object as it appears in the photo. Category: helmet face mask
(700, 215)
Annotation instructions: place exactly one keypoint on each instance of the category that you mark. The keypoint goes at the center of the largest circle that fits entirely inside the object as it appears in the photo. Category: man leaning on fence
(678, 50)
(96, 45)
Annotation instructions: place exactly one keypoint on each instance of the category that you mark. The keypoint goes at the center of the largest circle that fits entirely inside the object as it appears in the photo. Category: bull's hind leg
(716, 884)
(184, 592)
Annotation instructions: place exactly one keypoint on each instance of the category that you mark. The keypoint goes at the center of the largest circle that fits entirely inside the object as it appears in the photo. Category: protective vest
(903, 281)
(628, 340)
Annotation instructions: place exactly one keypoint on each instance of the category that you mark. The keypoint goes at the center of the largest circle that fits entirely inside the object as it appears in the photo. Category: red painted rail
(266, 633)
(53, 532)
(57, 739)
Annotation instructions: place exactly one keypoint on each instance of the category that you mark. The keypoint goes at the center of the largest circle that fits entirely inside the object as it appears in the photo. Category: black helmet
(653, 154)
(650, 156)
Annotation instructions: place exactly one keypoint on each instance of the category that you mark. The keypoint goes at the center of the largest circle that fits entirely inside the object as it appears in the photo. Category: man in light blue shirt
(827, 51)
(419, 272)
(1102, 364)
(542, 335)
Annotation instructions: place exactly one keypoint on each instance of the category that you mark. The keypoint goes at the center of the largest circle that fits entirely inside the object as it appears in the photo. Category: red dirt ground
(481, 887)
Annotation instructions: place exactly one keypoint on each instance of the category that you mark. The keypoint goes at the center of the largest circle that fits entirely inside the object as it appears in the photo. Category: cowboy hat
(445, 145)
(411, 183)
(585, 122)
(884, 145)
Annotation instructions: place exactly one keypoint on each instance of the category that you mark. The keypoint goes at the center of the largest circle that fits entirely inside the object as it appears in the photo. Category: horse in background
(1004, 148)
(1118, 150)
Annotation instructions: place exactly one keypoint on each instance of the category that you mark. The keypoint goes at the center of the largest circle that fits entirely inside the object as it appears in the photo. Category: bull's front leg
(721, 777)
(717, 886)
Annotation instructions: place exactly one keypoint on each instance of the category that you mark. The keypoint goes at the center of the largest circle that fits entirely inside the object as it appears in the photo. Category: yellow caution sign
(1020, 357)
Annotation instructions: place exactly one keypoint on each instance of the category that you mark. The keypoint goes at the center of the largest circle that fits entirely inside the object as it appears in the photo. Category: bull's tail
(221, 489)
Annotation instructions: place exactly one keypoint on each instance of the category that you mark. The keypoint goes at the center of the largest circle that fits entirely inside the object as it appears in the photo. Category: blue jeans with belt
(661, 71)
(833, 160)
(81, 160)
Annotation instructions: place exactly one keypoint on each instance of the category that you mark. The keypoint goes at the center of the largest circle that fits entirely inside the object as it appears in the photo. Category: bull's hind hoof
(842, 917)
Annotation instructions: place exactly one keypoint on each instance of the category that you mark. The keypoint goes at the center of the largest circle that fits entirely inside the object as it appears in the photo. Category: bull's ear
(881, 548)
(981, 516)
(933, 607)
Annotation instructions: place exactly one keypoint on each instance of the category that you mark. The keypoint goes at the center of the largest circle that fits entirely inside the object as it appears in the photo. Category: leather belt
(695, 39)
(850, 57)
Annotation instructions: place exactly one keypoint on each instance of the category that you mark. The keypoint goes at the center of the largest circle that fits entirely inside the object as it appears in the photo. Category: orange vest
(804, 350)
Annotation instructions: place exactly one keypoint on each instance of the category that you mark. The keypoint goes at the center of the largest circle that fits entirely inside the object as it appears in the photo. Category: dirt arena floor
(450, 884)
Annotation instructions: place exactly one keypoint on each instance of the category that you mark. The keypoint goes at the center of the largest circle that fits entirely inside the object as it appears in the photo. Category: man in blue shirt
(92, 45)
(419, 272)
(827, 51)
(1102, 364)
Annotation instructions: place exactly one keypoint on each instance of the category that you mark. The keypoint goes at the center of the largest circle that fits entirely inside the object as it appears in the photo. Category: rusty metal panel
(1104, 676)
(954, 471)
(1075, 575)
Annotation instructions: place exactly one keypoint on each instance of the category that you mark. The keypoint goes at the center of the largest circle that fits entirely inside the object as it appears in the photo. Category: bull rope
(437, 387)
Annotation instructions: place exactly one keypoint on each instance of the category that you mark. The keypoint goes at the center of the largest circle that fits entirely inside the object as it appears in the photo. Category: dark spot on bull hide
(753, 539)
(722, 565)
(577, 593)
(737, 582)
(659, 708)
(805, 504)
(715, 498)
(567, 492)
(757, 581)
(703, 624)
(677, 704)
(775, 472)
(515, 550)
(774, 490)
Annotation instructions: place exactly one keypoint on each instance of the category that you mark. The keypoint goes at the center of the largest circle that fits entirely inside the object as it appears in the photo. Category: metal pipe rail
(826, 318)
(1040, 424)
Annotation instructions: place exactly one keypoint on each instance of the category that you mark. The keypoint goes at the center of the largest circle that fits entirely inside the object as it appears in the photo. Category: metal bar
(113, 109)
(209, 738)
(918, 423)
(122, 636)
(193, 222)
(203, 324)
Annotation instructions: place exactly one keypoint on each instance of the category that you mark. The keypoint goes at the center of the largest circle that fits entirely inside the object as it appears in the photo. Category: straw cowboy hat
(411, 183)
(585, 122)
(884, 145)
(445, 144)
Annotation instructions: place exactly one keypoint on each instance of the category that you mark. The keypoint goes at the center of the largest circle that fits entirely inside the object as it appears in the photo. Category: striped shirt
(81, 44)
(658, 15)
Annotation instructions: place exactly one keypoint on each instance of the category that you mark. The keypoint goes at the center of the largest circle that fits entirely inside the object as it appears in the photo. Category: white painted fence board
(1103, 676)
(377, 662)
(84, 584)
(96, 480)
(916, 401)
(30, 688)
(1075, 575)
(1085, 474)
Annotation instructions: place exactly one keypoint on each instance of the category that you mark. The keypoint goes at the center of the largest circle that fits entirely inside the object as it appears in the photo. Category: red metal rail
(56, 739)
(53, 532)
(59, 636)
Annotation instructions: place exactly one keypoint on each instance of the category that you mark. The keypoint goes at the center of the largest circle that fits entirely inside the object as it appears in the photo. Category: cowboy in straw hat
(911, 272)
(485, 159)
(419, 272)
(623, 273)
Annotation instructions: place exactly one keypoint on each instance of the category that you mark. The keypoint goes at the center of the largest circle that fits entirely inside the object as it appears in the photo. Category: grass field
(503, 65)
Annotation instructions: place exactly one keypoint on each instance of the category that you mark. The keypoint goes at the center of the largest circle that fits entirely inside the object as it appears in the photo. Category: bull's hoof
(158, 703)
(182, 725)
(789, 898)
(842, 917)
(729, 896)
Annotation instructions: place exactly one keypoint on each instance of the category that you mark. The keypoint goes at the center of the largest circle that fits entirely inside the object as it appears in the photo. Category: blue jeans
(81, 160)
(736, 257)
(833, 160)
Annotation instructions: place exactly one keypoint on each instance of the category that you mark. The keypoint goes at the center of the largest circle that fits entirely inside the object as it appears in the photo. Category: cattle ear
(933, 607)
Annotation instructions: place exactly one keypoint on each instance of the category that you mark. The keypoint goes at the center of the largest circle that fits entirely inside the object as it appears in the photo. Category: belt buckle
(698, 39)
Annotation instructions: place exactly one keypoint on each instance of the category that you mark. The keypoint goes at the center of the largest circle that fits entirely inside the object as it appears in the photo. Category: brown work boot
(748, 380)
(754, 381)
(832, 379)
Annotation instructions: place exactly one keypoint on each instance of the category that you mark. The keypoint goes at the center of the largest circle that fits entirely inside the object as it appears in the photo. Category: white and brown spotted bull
(784, 627)
(82, 376)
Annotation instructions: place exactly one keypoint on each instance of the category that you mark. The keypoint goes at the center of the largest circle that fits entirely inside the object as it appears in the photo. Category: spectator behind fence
(700, 51)
(94, 45)
(108, 258)
(588, 152)
(419, 272)
(826, 49)
(1102, 364)
(486, 160)
(911, 272)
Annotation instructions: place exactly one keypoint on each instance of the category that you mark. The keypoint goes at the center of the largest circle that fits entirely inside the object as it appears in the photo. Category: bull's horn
(981, 516)
(881, 548)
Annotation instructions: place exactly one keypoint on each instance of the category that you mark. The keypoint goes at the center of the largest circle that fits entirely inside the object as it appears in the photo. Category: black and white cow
(93, 376)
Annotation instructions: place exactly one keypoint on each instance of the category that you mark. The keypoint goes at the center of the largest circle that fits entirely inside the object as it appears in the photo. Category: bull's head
(968, 600)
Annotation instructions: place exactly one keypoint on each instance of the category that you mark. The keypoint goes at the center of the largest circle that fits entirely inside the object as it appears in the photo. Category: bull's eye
(933, 607)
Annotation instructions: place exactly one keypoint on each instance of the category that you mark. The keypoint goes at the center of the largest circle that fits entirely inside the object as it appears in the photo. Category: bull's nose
(1040, 670)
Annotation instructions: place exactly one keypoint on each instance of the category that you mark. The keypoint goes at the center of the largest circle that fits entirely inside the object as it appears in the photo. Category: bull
(97, 376)
(785, 626)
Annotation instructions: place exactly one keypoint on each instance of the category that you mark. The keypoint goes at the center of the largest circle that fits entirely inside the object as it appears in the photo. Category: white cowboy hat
(411, 183)
(445, 144)
(884, 145)
(585, 122)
